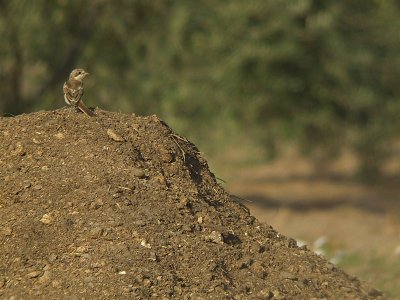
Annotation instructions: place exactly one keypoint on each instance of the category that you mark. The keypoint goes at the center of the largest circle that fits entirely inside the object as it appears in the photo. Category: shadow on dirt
(263, 201)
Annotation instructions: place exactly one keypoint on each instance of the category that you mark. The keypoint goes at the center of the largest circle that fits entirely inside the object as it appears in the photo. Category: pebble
(214, 237)
(140, 222)
(88, 279)
(96, 204)
(46, 219)
(265, 294)
(147, 282)
(287, 275)
(27, 184)
(56, 284)
(96, 232)
(159, 179)
(114, 136)
(53, 257)
(7, 231)
(258, 269)
(19, 149)
(59, 136)
(183, 202)
(81, 249)
(45, 277)
(145, 244)
(138, 172)
(291, 243)
(37, 187)
(277, 295)
(34, 274)
(153, 256)
(166, 156)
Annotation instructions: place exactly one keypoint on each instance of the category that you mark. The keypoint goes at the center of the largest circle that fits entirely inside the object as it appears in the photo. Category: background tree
(322, 74)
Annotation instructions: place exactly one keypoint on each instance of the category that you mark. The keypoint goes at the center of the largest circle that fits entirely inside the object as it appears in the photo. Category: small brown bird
(73, 91)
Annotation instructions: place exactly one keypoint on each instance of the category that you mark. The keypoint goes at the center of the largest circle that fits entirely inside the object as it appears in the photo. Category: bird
(73, 91)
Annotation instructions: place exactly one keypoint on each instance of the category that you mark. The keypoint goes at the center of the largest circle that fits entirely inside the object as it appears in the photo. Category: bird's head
(78, 74)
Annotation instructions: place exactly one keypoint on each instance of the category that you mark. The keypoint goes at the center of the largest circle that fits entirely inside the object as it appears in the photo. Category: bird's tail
(84, 109)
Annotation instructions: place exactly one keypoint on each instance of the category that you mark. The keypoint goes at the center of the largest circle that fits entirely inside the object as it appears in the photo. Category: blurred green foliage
(320, 73)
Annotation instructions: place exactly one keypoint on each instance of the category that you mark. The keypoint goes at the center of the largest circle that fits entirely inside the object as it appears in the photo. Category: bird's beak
(86, 73)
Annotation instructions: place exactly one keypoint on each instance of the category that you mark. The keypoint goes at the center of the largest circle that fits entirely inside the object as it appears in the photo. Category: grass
(382, 271)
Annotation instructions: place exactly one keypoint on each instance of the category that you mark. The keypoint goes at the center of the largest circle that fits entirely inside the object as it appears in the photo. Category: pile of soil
(120, 207)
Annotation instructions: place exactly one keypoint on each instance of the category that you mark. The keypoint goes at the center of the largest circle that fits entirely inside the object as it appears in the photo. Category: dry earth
(120, 207)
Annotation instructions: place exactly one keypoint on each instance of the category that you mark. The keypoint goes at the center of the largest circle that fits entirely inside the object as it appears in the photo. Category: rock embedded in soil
(114, 136)
(130, 210)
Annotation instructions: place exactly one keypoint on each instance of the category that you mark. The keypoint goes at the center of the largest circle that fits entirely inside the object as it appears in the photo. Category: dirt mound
(118, 206)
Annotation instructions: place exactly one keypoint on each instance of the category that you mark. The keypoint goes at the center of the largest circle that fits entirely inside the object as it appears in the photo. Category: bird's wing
(73, 90)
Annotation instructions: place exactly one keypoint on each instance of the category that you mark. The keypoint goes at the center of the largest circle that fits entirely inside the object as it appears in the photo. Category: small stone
(215, 237)
(159, 179)
(53, 257)
(86, 255)
(183, 202)
(291, 243)
(153, 256)
(19, 149)
(166, 156)
(34, 274)
(88, 279)
(56, 284)
(140, 222)
(122, 272)
(258, 269)
(245, 263)
(277, 295)
(330, 266)
(45, 277)
(46, 219)
(145, 244)
(7, 231)
(287, 275)
(114, 136)
(98, 264)
(147, 282)
(187, 228)
(59, 136)
(96, 204)
(200, 220)
(27, 184)
(96, 232)
(37, 187)
(375, 293)
(116, 195)
(81, 249)
(138, 172)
